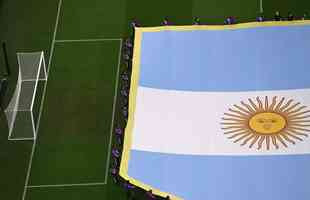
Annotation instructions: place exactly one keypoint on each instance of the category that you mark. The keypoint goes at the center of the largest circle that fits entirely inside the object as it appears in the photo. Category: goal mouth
(20, 115)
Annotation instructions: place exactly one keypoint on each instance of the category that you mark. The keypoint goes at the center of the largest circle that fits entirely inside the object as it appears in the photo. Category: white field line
(65, 185)
(110, 138)
(22, 110)
(90, 40)
(113, 112)
(20, 139)
(42, 100)
(29, 80)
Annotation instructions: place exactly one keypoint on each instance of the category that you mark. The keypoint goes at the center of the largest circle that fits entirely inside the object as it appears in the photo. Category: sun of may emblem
(268, 123)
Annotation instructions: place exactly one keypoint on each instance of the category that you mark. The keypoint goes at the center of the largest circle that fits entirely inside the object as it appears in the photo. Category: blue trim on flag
(261, 58)
(224, 177)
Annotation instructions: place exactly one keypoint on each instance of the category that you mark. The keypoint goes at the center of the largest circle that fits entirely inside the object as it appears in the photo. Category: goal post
(20, 113)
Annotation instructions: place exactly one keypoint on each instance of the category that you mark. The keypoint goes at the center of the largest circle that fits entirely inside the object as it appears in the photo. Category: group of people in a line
(116, 151)
(232, 20)
(278, 17)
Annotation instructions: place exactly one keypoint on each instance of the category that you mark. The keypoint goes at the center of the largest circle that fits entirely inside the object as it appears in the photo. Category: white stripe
(261, 6)
(32, 80)
(42, 102)
(20, 139)
(183, 122)
(113, 112)
(65, 185)
(89, 40)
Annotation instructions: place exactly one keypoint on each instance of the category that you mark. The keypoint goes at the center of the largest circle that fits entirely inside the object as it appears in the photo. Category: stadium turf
(74, 135)
(78, 101)
(214, 12)
(91, 19)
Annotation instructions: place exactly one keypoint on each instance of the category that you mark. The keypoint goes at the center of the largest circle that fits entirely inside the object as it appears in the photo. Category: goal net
(22, 111)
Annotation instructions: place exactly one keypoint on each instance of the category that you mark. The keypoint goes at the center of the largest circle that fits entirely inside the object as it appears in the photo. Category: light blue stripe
(224, 177)
(265, 58)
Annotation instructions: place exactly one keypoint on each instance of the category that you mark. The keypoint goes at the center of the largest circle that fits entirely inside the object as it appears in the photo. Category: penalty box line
(110, 138)
(113, 111)
(66, 185)
(89, 40)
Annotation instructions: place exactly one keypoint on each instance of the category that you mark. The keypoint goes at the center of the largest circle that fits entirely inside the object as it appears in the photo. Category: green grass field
(81, 41)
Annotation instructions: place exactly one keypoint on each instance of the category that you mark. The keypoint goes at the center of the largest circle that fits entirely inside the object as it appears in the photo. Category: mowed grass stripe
(75, 126)
(215, 12)
(83, 192)
(91, 19)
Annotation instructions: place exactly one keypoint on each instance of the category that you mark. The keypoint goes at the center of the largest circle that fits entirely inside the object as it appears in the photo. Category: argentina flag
(220, 112)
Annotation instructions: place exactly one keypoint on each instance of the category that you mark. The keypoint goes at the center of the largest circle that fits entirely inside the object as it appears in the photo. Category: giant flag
(221, 112)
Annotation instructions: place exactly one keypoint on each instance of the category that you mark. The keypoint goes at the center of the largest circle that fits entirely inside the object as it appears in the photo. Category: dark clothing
(290, 17)
(230, 20)
(150, 196)
(260, 19)
(277, 18)
(3, 89)
(118, 131)
(196, 21)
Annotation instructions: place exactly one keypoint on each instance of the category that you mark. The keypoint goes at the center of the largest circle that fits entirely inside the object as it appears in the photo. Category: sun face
(267, 123)
(261, 123)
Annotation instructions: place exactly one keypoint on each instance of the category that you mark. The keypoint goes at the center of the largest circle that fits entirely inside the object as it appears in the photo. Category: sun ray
(298, 117)
(297, 133)
(298, 114)
(230, 123)
(244, 136)
(274, 141)
(281, 140)
(288, 103)
(302, 134)
(274, 101)
(230, 127)
(238, 112)
(291, 107)
(266, 103)
(238, 134)
(254, 141)
(260, 104)
(268, 142)
(247, 140)
(233, 119)
(301, 129)
(300, 124)
(251, 111)
(253, 104)
(286, 138)
(300, 121)
(233, 131)
(293, 136)
(260, 142)
(236, 116)
(242, 109)
(267, 119)
(296, 110)
(279, 104)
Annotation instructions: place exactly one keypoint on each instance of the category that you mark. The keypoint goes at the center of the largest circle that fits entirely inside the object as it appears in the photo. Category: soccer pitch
(80, 106)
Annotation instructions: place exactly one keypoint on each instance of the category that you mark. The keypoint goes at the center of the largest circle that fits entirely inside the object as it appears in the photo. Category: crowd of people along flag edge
(135, 81)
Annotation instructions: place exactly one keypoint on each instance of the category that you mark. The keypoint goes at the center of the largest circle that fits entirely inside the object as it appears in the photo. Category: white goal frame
(19, 112)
